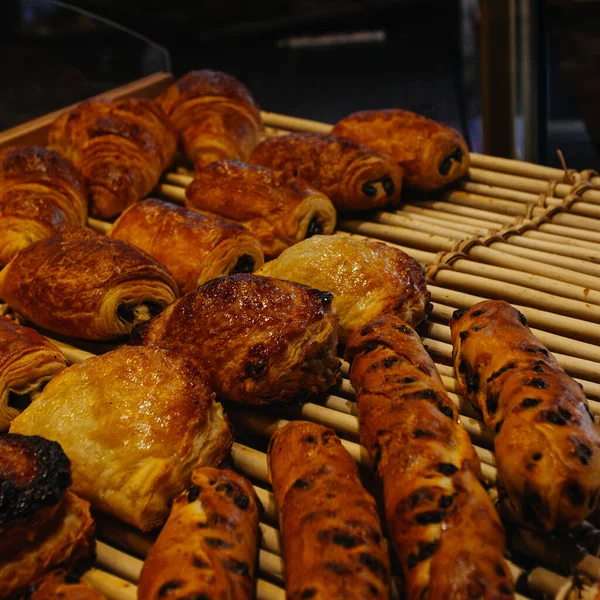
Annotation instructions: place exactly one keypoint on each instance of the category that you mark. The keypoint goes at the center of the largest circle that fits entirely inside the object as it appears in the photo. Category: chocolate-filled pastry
(442, 523)
(262, 340)
(279, 209)
(121, 148)
(547, 446)
(332, 541)
(366, 278)
(209, 545)
(194, 247)
(431, 154)
(42, 524)
(27, 362)
(86, 285)
(134, 422)
(353, 176)
(216, 116)
(41, 193)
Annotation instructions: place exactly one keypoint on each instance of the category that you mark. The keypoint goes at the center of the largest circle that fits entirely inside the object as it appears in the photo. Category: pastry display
(367, 278)
(194, 248)
(120, 147)
(262, 340)
(86, 285)
(43, 525)
(441, 522)
(332, 541)
(209, 545)
(351, 175)
(431, 154)
(41, 193)
(279, 209)
(134, 422)
(215, 115)
(547, 446)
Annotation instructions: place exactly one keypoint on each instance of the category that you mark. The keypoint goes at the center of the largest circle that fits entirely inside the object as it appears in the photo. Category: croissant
(351, 175)
(215, 115)
(431, 154)
(86, 285)
(547, 446)
(278, 209)
(120, 147)
(195, 248)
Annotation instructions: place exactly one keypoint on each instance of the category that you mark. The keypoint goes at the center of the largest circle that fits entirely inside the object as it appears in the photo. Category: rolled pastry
(135, 422)
(41, 193)
(366, 278)
(120, 147)
(261, 340)
(431, 154)
(194, 247)
(86, 285)
(353, 176)
(280, 210)
(216, 116)
(209, 545)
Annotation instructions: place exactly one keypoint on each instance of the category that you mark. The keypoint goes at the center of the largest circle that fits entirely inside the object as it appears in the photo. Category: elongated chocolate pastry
(331, 535)
(262, 340)
(351, 175)
(27, 362)
(442, 524)
(431, 154)
(279, 209)
(120, 147)
(209, 545)
(41, 193)
(547, 445)
(216, 116)
(195, 248)
(43, 525)
(367, 278)
(86, 285)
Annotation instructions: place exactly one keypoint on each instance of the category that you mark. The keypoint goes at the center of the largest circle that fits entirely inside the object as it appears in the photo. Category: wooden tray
(513, 230)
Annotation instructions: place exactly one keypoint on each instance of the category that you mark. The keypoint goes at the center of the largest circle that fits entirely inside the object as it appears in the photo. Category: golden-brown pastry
(547, 446)
(209, 545)
(41, 193)
(442, 523)
(195, 248)
(431, 154)
(86, 285)
(27, 362)
(42, 524)
(280, 210)
(261, 340)
(134, 422)
(353, 176)
(62, 585)
(367, 278)
(332, 541)
(215, 114)
(120, 147)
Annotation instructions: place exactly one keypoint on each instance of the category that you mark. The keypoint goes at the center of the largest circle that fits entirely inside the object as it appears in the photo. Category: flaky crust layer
(547, 446)
(194, 247)
(209, 545)
(443, 526)
(332, 541)
(279, 209)
(120, 147)
(261, 340)
(431, 154)
(353, 176)
(134, 422)
(85, 285)
(366, 278)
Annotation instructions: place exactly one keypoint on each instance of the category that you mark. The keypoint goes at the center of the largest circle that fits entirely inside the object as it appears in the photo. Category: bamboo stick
(173, 192)
(72, 354)
(578, 222)
(567, 228)
(120, 563)
(110, 586)
(499, 205)
(561, 239)
(100, 226)
(294, 123)
(516, 167)
(584, 260)
(439, 220)
(465, 211)
(440, 214)
(180, 179)
(505, 193)
(430, 227)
